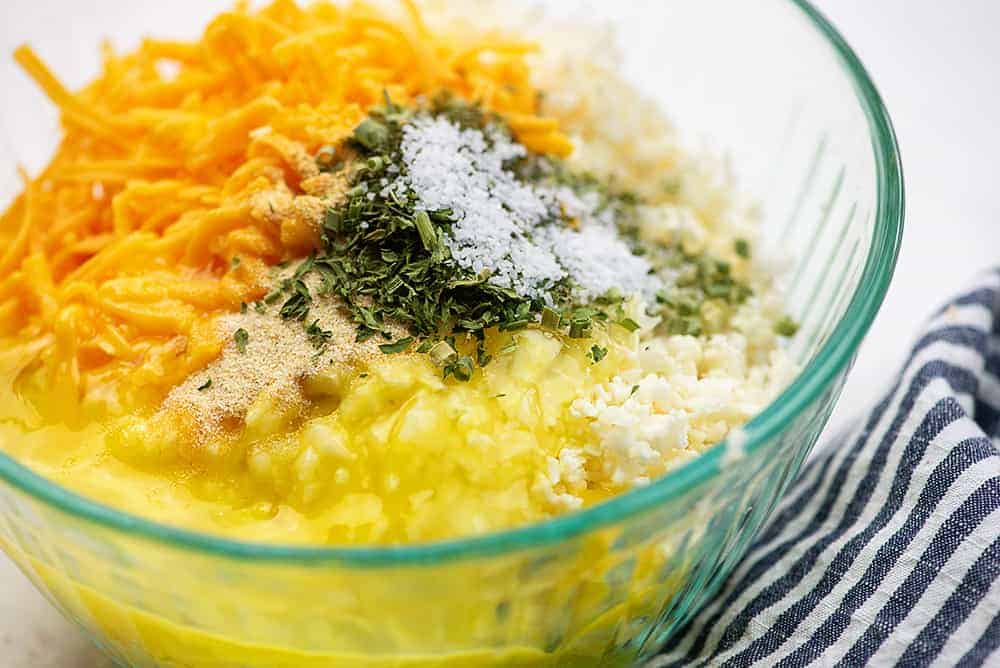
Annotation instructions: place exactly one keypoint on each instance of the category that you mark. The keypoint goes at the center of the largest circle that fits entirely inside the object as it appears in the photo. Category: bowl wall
(805, 134)
(603, 597)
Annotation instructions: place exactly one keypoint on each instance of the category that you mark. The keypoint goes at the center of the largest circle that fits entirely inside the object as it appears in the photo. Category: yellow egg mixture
(394, 455)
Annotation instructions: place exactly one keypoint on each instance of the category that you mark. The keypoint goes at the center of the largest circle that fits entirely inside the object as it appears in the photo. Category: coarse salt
(512, 231)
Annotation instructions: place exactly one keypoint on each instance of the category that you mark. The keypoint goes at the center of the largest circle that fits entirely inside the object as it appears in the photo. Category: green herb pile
(703, 296)
(389, 263)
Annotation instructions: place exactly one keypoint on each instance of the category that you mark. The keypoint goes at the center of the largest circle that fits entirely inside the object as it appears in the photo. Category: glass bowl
(770, 82)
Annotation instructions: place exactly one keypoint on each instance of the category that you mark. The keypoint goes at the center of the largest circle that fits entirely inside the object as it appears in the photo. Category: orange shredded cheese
(120, 251)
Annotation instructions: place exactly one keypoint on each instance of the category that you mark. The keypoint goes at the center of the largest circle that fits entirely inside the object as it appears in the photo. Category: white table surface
(937, 65)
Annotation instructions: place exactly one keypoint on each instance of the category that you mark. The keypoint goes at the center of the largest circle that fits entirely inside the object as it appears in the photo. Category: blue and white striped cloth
(886, 551)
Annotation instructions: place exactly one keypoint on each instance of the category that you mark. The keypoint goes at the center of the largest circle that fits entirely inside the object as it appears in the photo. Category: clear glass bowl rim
(831, 358)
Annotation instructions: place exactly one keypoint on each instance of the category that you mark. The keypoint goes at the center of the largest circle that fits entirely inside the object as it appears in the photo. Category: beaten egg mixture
(342, 276)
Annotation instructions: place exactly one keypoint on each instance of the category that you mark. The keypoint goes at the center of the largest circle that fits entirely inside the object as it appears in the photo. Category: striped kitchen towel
(886, 551)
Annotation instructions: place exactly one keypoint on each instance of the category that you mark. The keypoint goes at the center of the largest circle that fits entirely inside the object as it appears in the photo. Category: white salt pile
(513, 231)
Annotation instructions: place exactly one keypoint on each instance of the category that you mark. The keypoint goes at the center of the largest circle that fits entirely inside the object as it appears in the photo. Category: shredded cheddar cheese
(181, 156)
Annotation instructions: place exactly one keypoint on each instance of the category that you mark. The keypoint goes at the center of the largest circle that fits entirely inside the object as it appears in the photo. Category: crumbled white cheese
(682, 395)
(566, 472)
(637, 428)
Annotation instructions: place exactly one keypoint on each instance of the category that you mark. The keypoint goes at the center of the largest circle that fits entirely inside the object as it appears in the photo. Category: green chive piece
(371, 134)
(718, 290)
(241, 337)
(786, 327)
(742, 248)
(204, 386)
(597, 353)
(687, 307)
(317, 335)
(579, 329)
(635, 388)
(514, 325)
(305, 267)
(461, 368)
(628, 323)
(551, 318)
(428, 237)
(397, 347)
(442, 354)
(296, 307)
(235, 262)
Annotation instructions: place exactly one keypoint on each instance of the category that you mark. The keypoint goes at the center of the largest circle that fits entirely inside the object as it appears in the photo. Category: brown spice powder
(278, 354)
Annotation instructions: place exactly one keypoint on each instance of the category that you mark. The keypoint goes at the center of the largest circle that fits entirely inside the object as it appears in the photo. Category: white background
(937, 65)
